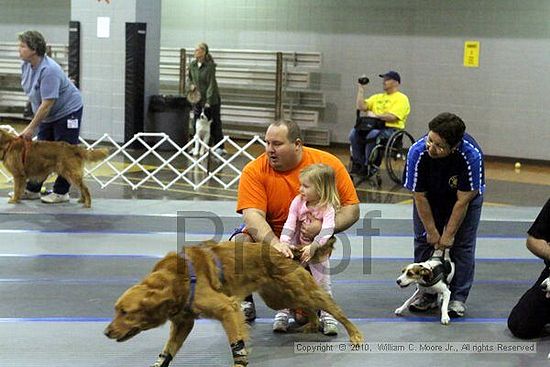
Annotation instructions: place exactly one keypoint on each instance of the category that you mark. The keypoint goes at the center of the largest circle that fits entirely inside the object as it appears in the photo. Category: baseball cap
(391, 75)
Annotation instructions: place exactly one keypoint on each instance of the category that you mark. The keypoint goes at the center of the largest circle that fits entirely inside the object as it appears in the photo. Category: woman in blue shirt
(445, 172)
(56, 104)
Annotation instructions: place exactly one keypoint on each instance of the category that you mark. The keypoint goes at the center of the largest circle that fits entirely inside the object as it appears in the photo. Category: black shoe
(355, 168)
(371, 171)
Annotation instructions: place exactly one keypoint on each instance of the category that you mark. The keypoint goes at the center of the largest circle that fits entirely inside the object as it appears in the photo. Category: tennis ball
(517, 165)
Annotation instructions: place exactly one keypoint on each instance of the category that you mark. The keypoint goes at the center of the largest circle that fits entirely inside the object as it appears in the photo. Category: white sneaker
(281, 323)
(249, 311)
(329, 325)
(54, 198)
(28, 195)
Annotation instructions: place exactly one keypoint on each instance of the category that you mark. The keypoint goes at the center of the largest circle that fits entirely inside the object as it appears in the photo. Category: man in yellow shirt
(387, 111)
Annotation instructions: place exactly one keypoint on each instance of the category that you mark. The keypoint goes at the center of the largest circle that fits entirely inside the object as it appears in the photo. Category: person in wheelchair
(378, 117)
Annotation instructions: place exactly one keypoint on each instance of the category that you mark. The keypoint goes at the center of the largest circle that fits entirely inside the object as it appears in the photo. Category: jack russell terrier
(432, 277)
(545, 287)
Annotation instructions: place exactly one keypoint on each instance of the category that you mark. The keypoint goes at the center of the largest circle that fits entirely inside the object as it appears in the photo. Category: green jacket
(205, 80)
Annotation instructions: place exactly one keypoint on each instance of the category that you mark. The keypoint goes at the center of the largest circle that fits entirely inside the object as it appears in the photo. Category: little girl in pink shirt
(318, 199)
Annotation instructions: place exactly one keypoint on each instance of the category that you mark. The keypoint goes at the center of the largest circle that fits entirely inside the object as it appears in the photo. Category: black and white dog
(545, 287)
(202, 135)
(432, 277)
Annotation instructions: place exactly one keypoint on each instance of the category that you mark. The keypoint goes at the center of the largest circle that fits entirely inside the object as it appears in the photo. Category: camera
(363, 80)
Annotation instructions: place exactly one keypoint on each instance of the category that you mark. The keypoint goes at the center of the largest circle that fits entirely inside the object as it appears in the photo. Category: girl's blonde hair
(323, 180)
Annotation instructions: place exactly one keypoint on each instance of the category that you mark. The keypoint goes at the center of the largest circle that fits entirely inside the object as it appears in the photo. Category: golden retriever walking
(210, 281)
(38, 159)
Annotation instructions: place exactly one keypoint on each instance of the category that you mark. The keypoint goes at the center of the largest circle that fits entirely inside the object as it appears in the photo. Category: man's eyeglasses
(439, 147)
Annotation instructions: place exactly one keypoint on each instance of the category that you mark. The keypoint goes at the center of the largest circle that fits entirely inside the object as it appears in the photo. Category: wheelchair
(392, 153)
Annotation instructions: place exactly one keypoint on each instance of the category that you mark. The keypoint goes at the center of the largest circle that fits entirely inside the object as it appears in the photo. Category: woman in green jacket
(202, 76)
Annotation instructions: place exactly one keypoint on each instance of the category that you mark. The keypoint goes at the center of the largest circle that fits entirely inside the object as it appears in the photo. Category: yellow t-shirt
(396, 103)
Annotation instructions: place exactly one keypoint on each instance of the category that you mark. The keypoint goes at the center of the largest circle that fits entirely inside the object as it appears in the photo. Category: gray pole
(279, 87)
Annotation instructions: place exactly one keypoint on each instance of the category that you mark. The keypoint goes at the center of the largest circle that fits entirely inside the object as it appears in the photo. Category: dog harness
(218, 265)
(192, 282)
(440, 272)
(193, 277)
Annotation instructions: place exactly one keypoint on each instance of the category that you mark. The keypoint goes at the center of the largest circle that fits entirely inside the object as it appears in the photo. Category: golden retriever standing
(210, 281)
(38, 159)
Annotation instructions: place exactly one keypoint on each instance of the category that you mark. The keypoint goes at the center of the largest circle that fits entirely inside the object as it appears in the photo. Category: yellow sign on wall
(471, 54)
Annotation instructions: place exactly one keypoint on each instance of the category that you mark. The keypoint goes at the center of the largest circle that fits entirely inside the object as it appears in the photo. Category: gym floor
(63, 267)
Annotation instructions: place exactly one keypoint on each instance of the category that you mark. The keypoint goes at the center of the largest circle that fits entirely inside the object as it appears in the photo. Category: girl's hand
(284, 249)
(306, 254)
(310, 227)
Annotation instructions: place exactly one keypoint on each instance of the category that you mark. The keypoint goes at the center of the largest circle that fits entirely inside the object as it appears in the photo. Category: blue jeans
(58, 130)
(462, 253)
(362, 144)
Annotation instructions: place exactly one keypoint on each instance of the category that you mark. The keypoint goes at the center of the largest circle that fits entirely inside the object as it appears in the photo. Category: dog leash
(26, 148)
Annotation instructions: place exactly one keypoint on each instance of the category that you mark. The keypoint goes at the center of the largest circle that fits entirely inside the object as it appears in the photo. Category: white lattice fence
(144, 159)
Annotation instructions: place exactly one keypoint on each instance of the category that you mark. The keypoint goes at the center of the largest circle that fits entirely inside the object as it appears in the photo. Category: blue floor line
(208, 235)
(125, 281)
(434, 319)
(333, 258)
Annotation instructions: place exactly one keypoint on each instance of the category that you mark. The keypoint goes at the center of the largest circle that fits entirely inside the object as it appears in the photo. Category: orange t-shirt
(263, 188)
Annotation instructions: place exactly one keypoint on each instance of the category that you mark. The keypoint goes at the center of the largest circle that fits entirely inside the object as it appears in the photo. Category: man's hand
(445, 241)
(310, 227)
(284, 249)
(433, 238)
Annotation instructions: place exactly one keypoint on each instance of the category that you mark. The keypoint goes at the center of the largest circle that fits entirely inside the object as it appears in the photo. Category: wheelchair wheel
(396, 154)
(375, 159)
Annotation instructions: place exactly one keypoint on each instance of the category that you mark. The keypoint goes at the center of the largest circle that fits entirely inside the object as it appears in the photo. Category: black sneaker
(456, 309)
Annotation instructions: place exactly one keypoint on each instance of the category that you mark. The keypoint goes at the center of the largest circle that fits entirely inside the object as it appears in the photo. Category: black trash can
(169, 114)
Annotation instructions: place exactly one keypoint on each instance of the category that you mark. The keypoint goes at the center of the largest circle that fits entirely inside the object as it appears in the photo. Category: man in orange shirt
(270, 182)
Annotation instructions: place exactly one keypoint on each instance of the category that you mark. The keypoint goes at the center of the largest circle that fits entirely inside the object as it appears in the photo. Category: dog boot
(424, 303)
(249, 310)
